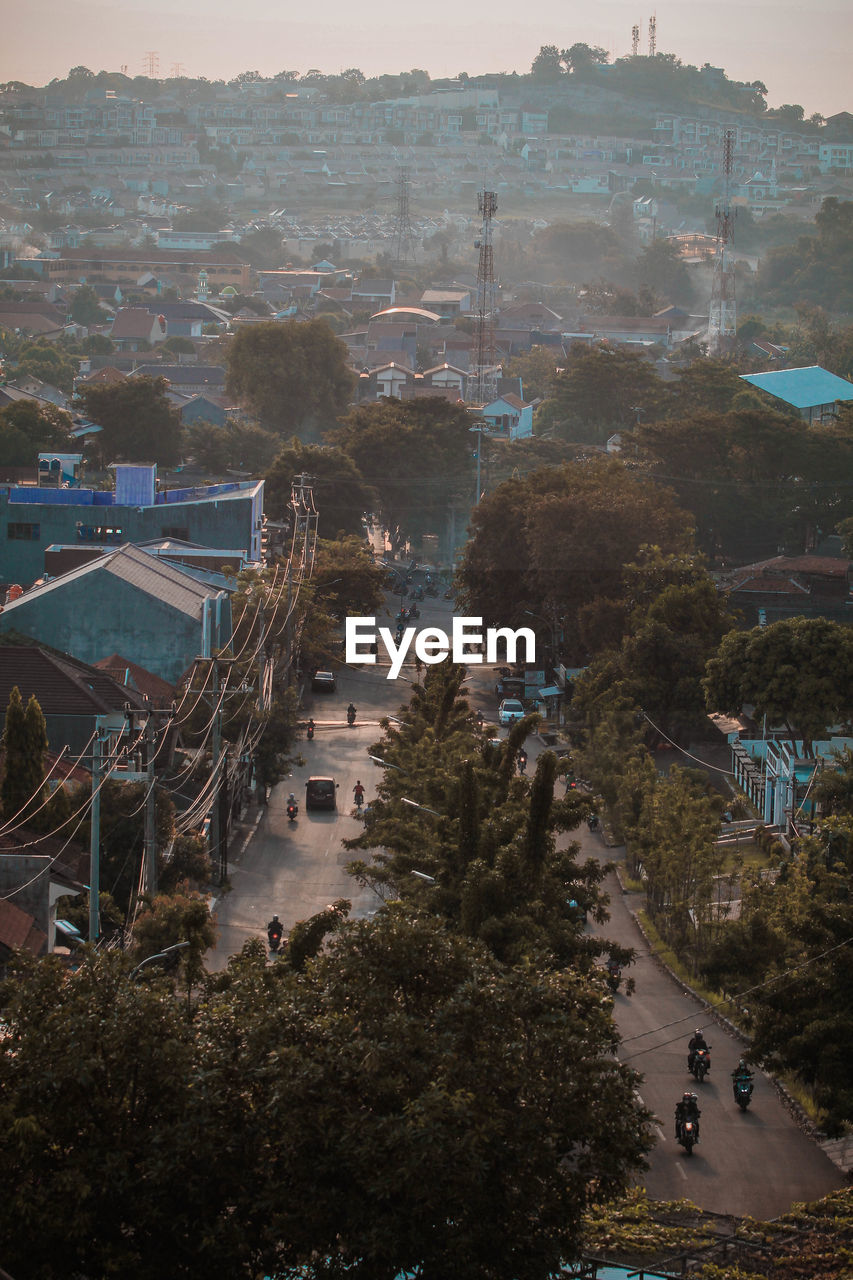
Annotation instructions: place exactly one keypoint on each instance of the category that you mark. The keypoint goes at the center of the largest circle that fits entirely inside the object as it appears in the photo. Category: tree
(797, 673)
(24, 748)
(600, 392)
(28, 429)
(137, 420)
(555, 542)
(341, 495)
(416, 454)
(582, 58)
(86, 307)
(293, 377)
(660, 267)
(49, 363)
(391, 1123)
(547, 66)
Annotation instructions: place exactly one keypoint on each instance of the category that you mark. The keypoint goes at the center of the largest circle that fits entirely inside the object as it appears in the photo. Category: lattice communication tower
(404, 236)
(486, 383)
(635, 40)
(722, 319)
(151, 64)
(653, 36)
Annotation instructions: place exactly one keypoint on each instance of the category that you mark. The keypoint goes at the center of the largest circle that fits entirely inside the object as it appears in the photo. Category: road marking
(660, 1131)
(682, 1171)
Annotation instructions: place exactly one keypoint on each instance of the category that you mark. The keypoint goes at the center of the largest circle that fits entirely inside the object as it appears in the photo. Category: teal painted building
(129, 602)
(32, 519)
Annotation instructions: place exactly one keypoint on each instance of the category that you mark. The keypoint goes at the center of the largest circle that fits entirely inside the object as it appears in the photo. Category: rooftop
(802, 388)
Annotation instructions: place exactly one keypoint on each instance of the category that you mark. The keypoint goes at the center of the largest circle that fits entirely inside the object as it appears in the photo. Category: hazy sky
(801, 53)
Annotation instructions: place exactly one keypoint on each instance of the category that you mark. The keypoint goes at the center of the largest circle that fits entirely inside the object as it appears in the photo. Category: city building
(32, 519)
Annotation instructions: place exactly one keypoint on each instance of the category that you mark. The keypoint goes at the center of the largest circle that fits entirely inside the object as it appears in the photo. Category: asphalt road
(757, 1163)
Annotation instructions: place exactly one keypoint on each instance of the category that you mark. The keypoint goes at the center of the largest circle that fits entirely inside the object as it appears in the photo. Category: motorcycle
(418, 593)
(689, 1135)
(742, 1088)
(309, 732)
(350, 717)
(701, 1064)
(274, 940)
(614, 977)
(431, 590)
(292, 811)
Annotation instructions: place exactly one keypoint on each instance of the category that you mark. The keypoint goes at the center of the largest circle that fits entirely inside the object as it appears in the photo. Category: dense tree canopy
(416, 454)
(817, 270)
(292, 376)
(369, 1112)
(797, 672)
(601, 390)
(28, 429)
(138, 422)
(556, 543)
(341, 495)
(755, 480)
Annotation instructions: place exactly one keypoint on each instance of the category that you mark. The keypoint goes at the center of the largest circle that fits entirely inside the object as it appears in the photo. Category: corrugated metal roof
(146, 572)
(62, 685)
(802, 388)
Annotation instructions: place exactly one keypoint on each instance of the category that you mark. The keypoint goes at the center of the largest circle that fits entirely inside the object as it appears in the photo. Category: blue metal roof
(802, 388)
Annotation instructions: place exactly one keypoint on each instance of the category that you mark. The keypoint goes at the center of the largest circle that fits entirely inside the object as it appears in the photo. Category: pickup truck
(510, 687)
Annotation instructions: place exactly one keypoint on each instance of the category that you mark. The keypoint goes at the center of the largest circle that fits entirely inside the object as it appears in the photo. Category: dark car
(324, 682)
(321, 793)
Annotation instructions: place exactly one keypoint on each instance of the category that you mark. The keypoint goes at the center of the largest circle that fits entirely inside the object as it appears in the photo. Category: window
(17, 532)
(98, 533)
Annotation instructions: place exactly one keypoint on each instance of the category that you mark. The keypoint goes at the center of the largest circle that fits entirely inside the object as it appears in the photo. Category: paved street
(758, 1162)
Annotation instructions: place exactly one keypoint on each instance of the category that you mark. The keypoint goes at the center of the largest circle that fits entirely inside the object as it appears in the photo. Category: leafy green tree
(554, 543)
(537, 369)
(601, 391)
(798, 673)
(179, 346)
(817, 269)
(138, 422)
(416, 454)
(661, 268)
(391, 1123)
(681, 859)
(48, 362)
(86, 307)
(172, 918)
(293, 377)
(24, 747)
(341, 495)
(547, 66)
(28, 429)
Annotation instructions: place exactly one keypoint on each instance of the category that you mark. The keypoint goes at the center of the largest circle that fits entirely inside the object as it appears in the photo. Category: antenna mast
(653, 35)
(722, 319)
(404, 237)
(635, 40)
(486, 384)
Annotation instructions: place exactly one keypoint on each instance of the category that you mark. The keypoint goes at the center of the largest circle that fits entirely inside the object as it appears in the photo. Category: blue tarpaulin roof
(802, 388)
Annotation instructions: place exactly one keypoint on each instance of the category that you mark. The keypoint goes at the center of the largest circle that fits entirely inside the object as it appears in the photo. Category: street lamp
(425, 808)
(422, 875)
(161, 956)
(386, 764)
(549, 622)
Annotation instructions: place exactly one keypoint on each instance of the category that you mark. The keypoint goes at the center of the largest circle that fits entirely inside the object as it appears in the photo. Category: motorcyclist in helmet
(740, 1074)
(274, 931)
(687, 1108)
(697, 1041)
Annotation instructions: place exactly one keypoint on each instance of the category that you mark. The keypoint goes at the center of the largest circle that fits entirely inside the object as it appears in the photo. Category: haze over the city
(801, 53)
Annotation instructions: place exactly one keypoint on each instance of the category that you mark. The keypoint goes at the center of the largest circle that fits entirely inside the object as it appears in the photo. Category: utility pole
(95, 835)
(150, 855)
